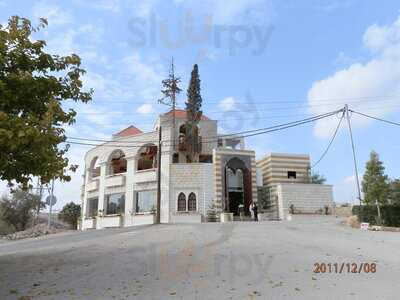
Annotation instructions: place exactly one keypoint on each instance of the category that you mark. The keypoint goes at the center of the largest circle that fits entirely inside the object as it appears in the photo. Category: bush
(369, 213)
(17, 211)
(70, 214)
(6, 228)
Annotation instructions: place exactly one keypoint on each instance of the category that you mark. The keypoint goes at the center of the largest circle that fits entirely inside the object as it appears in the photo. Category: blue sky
(261, 63)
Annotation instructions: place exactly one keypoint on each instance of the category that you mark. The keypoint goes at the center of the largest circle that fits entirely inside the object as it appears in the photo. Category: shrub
(17, 211)
(390, 214)
(70, 214)
(6, 228)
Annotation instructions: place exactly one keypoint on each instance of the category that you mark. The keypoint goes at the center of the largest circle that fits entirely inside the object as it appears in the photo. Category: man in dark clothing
(255, 210)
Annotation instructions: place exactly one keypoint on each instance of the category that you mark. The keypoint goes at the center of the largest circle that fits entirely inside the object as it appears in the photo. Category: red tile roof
(181, 114)
(129, 131)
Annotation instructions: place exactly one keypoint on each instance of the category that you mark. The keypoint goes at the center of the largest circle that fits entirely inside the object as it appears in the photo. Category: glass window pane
(115, 204)
(92, 206)
(192, 202)
(181, 202)
(146, 201)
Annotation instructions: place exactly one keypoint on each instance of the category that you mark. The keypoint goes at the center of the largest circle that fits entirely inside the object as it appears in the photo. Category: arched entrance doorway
(237, 186)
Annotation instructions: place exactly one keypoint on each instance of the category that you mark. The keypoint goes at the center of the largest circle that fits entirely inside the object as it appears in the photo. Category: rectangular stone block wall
(194, 177)
(306, 198)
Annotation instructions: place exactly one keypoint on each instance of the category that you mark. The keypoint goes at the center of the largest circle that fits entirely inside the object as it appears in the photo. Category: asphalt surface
(269, 260)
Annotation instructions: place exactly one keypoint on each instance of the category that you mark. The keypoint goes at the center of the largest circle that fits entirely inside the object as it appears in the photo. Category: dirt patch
(35, 231)
(353, 222)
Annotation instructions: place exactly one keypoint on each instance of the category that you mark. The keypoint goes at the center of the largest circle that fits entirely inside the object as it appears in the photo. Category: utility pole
(51, 204)
(346, 110)
(39, 192)
(171, 89)
(173, 98)
(158, 215)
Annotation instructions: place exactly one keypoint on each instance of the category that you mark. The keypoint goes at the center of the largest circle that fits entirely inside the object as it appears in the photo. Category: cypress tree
(194, 113)
(375, 184)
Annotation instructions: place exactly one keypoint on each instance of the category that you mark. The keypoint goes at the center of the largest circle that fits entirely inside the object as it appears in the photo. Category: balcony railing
(92, 186)
(115, 180)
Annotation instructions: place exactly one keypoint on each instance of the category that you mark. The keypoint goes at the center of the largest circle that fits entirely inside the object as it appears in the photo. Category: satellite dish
(51, 200)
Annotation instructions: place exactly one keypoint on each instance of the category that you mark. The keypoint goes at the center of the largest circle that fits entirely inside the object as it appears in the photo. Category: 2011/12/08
(345, 268)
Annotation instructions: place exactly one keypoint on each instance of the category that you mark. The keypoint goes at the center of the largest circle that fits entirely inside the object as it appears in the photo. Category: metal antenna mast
(171, 89)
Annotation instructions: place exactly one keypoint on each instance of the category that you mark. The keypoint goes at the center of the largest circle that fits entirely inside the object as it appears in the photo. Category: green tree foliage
(18, 209)
(395, 191)
(70, 214)
(194, 113)
(316, 178)
(33, 86)
(375, 184)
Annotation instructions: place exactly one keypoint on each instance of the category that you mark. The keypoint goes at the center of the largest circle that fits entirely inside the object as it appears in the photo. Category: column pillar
(130, 203)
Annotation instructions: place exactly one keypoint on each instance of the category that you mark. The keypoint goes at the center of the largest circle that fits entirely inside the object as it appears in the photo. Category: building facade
(121, 176)
(120, 180)
(286, 182)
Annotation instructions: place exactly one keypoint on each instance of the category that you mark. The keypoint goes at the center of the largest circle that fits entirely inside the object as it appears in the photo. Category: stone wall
(194, 177)
(306, 198)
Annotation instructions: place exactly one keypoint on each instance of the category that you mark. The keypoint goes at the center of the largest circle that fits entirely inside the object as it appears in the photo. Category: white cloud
(332, 5)
(228, 103)
(143, 76)
(98, 115)
(53, 13)
(67, 41)
(145, 109)
(232, 12)
(380, 76)
(108, 5)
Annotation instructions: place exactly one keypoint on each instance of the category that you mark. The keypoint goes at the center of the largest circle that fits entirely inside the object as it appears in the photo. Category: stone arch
(181, 203)
(147, 157)
(237, 186)
(192, 202)
(94, 167)
(116, 162)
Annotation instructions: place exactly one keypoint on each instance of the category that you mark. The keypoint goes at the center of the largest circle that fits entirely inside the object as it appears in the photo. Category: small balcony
(92, 185)
(145, 175)
(115, 180)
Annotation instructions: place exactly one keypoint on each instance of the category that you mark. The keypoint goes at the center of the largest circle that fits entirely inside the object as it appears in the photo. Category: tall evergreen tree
(375, 184)
(194, 113)
(395, 191)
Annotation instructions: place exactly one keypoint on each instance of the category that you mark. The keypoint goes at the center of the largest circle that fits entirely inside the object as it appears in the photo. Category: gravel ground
(270, 260)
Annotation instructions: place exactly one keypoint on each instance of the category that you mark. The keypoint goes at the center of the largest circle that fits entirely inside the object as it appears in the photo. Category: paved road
(273, 260)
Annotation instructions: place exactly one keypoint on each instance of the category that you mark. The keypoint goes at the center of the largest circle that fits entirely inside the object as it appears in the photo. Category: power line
(330, 143)
(277, 126)
(235, 134)
(109, 141)
(275, 101)
(375, 118)
(237, 111)
(103, 145)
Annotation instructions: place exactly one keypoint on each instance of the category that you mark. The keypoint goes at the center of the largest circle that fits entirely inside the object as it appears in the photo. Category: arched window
(94, 169)
(147, 158)
(117, 163)
(181, 202)
(192, 202)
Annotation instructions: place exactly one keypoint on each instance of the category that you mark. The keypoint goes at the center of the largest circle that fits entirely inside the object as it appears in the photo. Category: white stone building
(120, 180)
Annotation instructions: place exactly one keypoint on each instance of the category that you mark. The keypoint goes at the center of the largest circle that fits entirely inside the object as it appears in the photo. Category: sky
(261, 63)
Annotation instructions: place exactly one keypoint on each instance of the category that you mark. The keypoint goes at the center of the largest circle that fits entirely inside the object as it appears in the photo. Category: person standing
(255, 211)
